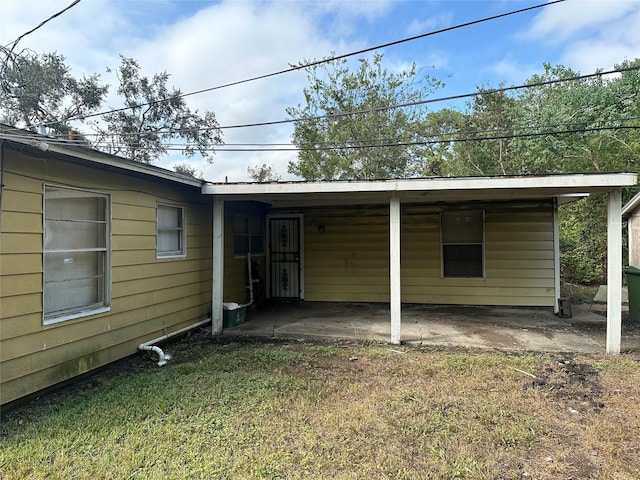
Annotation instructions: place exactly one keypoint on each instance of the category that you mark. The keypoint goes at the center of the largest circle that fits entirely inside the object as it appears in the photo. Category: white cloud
(561, 21)
(419, 26)
(222, 43)
(511, 71)
(590, 34)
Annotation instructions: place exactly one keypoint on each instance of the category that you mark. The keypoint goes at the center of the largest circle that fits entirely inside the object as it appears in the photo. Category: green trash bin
(633, 286)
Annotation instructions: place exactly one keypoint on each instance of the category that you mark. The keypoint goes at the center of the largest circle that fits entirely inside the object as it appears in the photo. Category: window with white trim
(248, 235)
(171, 234)
(462, 243)
(76, 253)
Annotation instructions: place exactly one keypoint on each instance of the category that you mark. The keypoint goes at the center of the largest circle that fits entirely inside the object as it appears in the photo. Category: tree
(186, 169)
(152, 115)
(264, 173)
(554, 128)
(481, 137)
(380, 142)
(39, 89)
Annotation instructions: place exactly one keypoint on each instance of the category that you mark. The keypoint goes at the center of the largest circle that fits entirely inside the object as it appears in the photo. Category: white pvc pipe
(164, 357)
(250, 286)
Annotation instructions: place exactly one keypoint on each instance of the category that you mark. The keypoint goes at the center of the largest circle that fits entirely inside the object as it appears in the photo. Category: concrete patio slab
(535, 329)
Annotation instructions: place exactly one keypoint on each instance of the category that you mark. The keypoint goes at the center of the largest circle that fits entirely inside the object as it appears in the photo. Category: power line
(15, 42)
(431, 142)
(464, 136)
(326, 60)
(434, 100)
(372, 142)
(410, 104)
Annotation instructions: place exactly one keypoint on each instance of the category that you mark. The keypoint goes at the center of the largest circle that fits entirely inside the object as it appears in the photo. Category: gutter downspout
(163, 358)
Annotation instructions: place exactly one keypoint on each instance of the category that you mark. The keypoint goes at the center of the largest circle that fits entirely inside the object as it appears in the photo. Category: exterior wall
(149, 296)
(349, 260)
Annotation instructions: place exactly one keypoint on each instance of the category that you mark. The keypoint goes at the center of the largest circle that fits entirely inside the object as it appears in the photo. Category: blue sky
(206, 43)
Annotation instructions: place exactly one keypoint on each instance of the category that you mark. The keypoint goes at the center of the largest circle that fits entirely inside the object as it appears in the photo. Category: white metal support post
(556, 256)
(394, 268)
(614, 271)
(217, 294)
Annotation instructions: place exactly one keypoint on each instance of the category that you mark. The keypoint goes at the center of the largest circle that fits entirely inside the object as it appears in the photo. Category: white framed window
(462, 243)
(171, 233)
(76, 253)
(248, 235)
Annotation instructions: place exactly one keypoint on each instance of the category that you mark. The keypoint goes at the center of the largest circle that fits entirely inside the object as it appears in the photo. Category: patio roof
(564, 187)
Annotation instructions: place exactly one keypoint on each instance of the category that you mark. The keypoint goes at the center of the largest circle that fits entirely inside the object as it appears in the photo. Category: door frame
(300, 218)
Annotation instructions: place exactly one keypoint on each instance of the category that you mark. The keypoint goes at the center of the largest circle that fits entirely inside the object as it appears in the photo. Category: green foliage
(39, 89)
(186, 169)
(379, 143)
(555, 128)
(153, 115)
(263, 173)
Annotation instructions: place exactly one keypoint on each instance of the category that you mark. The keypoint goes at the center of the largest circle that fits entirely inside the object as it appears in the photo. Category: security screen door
(284, 252)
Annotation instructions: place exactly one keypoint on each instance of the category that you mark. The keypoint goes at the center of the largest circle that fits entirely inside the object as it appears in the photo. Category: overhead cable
(325, 60)
(15, 42)
(409, 104)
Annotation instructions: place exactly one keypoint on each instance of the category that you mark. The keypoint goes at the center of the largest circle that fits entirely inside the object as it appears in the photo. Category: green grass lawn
(241, 409)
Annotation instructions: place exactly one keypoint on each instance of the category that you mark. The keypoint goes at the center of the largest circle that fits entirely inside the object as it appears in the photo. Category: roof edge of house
(36, 141)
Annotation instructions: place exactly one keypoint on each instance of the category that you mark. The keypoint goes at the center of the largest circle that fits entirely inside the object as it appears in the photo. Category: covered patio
(409, 258)
(507, 328)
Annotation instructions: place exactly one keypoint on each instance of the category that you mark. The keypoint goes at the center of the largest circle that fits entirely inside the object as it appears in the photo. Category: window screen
(462, 243)
(171, 233)
(76, 233)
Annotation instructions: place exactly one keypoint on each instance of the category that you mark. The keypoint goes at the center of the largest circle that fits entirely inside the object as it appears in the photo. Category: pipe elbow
(162, 358)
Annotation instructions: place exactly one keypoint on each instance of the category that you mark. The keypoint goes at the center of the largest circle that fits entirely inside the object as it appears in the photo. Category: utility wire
(372, 142)
(433, 100)
(410, 104)
(453, 137)
(15, 42)
(325, 60)
(429, 142)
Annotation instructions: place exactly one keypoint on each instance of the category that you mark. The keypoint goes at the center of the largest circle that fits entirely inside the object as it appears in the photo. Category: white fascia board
(631, 206)
(581, 181)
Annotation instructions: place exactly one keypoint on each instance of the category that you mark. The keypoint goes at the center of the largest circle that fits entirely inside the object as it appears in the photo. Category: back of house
(97, 254)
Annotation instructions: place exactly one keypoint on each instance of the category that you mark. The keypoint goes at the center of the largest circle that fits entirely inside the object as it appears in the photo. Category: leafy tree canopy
(154, 115)
(39, 89)
(263, 173)
(379, 143)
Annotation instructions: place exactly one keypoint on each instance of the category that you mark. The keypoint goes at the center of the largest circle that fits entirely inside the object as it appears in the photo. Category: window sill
(72, 316)
(171, 256)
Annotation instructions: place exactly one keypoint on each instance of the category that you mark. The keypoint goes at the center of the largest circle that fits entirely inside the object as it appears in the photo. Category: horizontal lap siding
(348, 260)
(519, 263)
(150, 296)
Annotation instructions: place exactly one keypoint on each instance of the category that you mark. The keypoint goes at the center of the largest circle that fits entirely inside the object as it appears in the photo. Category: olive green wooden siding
(149, 296)
(349, 260)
